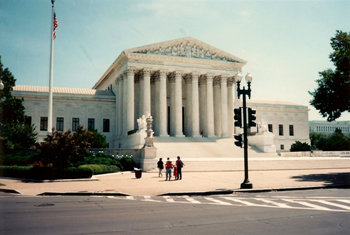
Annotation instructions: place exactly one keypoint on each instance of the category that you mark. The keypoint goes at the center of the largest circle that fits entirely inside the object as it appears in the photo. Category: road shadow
(330, 179)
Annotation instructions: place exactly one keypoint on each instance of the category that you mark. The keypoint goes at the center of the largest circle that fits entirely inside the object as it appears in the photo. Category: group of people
(169, 166)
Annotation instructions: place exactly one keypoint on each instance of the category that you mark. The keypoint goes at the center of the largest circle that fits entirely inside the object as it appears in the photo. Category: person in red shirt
(168, 167)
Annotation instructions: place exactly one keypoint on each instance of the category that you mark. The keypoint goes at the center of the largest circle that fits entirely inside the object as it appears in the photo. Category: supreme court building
(186, 85)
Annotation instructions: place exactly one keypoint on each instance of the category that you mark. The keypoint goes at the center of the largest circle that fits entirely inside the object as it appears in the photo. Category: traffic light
(239, 141)
(251, 117)
(238, 117)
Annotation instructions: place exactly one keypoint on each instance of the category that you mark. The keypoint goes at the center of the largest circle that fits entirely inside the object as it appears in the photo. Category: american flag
(55, 25)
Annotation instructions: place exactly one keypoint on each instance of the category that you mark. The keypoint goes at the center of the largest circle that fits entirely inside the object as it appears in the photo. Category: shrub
(42, 173)
(10, 160)
(128, 163)
(15, 171)
(298, 146)
(100, 169)
(102, 159)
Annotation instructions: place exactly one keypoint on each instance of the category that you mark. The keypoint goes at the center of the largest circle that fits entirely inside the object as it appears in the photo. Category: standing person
(160, 166)
(179, 165)
(168, 167)
(175, 171)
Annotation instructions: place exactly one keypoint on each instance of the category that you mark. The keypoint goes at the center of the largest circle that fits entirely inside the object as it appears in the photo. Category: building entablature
(185, 55)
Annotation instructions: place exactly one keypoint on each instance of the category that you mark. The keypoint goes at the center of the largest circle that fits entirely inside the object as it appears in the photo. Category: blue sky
(286, 43)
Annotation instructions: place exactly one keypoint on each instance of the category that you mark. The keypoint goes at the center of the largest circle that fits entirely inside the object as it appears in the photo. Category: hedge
(43, 173)
(100, 169)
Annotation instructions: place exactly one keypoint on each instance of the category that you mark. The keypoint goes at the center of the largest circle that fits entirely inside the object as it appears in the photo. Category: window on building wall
(280, 129)
(43, 123)
(28, 120)
(91, 124)
(291, 130)
(282, 146)
(60, 123)
(270, 127)
(105, 125)
(75, 124)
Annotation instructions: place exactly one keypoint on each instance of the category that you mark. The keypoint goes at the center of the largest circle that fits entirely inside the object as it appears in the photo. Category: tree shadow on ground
(330, 179)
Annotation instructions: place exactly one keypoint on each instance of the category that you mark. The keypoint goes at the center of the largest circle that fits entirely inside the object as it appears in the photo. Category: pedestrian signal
(239, 140)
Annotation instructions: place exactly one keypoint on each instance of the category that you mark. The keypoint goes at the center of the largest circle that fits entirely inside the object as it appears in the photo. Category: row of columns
(208, 104)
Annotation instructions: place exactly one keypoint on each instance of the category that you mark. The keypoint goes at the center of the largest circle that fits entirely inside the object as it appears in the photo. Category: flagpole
(49, 123)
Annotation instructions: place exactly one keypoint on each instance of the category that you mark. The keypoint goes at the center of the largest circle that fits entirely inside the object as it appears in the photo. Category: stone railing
(316, 154)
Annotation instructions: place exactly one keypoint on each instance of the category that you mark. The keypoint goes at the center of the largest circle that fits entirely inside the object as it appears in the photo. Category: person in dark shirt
(179, 165)
(160, 166)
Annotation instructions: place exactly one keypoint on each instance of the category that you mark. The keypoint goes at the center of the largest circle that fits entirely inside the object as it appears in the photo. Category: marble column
(124, 104)
(224, 130)
(230, 107)
(118, 107)
(203, 104)
(178, 105)
(155, 90)
(146, 98)
(188, 105)
(137, 99)
(217, 107)
(210, 106)
(162, 104)
(195, 106)
(130, 100)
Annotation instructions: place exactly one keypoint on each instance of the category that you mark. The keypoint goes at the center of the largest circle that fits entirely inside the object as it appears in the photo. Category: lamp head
(238, 77)
(249, 78)
(1, 85)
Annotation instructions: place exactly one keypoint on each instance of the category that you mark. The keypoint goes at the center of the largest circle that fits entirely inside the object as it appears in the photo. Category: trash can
(138, 173)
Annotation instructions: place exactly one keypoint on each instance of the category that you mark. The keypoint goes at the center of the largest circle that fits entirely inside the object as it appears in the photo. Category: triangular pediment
(186, 47)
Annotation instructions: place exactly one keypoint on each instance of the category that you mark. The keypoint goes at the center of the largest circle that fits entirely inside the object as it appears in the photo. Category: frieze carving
(186, 49)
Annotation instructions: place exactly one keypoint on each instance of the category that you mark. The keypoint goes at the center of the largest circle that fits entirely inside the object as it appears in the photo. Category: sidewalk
(198, 182)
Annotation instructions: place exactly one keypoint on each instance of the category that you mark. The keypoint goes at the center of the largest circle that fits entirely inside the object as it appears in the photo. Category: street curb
(5, 190)
(290, 189)
(205, 193)
(81, 194)
(266, 190)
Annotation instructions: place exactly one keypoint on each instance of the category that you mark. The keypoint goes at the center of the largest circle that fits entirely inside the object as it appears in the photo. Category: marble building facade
(186, 85)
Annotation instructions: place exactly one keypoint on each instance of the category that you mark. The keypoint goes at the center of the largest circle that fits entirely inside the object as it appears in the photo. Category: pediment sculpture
(185, 50)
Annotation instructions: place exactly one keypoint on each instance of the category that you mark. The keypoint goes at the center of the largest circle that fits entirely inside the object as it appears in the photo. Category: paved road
(301, 212)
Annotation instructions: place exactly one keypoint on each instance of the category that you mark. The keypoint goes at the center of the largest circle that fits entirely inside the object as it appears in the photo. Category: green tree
(65, 149)
(98, 140)
(299, 146)
(15, 136)
(318, 140)
(332, 96)
(337, 141)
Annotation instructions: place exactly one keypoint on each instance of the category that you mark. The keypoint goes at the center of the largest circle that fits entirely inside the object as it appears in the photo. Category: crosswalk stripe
(168, 199)
(240, 201)
(190, 199)
(307, 204)
(217, 201)
(343, 200)
(282, 205)
(149, 199)
(334, 204)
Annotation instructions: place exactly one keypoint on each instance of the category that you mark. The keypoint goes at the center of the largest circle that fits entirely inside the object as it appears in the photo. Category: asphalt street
(325, 211)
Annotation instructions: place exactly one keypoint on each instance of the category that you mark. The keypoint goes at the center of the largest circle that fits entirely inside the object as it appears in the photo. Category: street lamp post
(246, 183)
(1, 86)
